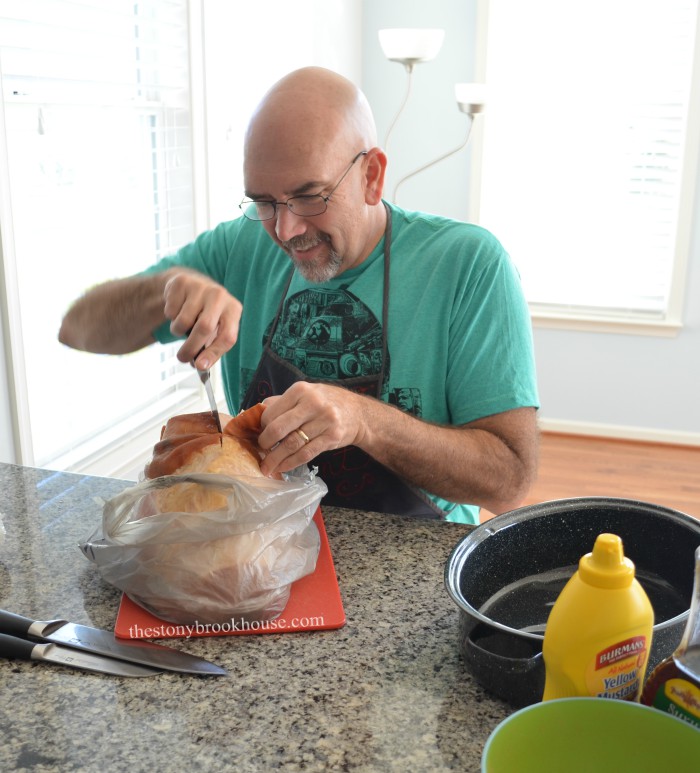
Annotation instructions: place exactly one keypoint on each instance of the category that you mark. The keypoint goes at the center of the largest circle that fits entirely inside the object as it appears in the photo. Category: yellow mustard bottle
(598, 635)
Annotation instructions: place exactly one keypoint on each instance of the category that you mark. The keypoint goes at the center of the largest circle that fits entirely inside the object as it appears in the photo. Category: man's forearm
(490, 463)
(116, 317)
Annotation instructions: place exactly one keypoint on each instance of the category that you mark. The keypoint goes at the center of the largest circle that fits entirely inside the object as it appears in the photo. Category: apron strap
(385, 297)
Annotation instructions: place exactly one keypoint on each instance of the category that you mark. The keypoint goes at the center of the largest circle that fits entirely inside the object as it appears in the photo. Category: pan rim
(471, 541)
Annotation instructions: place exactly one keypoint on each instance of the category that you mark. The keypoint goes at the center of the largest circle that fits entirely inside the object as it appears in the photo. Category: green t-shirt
(459, 336)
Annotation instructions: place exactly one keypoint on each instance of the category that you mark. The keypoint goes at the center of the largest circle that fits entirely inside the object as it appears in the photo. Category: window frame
(610, 321)
(128, 444)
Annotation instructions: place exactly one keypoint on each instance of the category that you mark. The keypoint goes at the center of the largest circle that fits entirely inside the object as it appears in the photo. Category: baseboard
(620, 432)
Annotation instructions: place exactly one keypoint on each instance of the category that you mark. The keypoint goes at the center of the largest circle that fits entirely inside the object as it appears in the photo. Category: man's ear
(374, 175)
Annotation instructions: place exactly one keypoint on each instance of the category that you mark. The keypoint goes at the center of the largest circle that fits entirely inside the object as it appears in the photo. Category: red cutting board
(314, 605)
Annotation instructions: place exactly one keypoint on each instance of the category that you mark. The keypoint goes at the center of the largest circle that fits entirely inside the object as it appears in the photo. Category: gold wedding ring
(303, 435)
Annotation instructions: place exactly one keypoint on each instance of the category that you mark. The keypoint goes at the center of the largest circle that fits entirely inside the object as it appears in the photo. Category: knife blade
(105, 643)
(20, 649)
(205, 379)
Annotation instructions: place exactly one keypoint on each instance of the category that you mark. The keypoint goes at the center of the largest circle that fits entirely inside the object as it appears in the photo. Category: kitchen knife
(204, 378)
(21, 649)
(99, 642)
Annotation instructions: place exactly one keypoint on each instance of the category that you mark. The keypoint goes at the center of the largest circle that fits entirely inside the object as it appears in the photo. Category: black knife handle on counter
(17, 625)
(14, 624)
(15, 648)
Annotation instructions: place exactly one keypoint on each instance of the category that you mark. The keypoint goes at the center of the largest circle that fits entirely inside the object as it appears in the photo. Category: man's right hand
(206, 312)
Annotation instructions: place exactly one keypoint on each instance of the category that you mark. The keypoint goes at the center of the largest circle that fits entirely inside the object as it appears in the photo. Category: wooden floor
(577, 466)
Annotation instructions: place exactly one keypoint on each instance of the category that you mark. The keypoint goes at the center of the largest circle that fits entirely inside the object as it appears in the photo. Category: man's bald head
(309, 114)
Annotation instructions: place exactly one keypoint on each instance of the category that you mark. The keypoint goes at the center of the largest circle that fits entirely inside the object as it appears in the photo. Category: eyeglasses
(302, 206)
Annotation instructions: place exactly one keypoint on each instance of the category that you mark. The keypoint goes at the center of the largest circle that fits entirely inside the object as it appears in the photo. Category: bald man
(392, 349)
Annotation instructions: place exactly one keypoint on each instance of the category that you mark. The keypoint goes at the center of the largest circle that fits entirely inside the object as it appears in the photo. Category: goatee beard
(317, 271)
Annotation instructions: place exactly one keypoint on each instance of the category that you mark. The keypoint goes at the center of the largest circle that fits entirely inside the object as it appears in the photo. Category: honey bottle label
(679, 698)
(618, 670)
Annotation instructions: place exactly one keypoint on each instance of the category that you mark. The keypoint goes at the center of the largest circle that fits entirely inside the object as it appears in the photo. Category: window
(98, 133)
(589, 152)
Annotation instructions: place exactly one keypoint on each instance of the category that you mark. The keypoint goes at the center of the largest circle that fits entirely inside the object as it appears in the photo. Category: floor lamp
(410, 47)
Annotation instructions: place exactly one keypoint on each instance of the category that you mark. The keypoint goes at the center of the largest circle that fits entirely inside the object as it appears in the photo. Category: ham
(191, 443)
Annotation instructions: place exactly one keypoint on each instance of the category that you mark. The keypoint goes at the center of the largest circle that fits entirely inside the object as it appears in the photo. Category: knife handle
(15, 648)
(17, 625)
(14, 624)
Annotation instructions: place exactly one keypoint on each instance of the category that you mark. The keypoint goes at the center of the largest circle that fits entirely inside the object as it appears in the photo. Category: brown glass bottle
(674, 685)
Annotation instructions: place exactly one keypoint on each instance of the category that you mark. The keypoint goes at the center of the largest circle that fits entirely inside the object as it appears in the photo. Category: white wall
(624, 385)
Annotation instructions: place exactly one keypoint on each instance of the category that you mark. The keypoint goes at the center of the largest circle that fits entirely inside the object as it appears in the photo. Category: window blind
(99, 148)
(585, 146)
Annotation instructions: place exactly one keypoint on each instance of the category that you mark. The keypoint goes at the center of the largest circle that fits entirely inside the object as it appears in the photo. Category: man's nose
(288, 224)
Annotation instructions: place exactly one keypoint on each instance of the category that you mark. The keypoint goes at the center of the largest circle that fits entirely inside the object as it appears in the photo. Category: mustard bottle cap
(607, 566)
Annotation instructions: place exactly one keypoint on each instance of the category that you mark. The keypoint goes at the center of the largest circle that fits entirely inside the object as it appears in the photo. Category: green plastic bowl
(595, 735)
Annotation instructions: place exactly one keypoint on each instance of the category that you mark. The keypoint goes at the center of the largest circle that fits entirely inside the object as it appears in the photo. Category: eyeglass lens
(304, 206)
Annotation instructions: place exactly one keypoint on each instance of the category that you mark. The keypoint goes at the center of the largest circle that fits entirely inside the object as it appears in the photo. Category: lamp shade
(471, 97)
(409, 46)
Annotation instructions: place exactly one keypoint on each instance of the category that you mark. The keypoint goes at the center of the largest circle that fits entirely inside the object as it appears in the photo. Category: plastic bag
(210, 567)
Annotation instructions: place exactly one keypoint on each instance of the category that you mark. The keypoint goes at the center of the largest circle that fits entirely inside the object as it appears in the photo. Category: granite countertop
(388, 691)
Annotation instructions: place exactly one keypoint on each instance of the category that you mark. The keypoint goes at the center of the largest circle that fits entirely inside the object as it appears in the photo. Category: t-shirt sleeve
(492, 365)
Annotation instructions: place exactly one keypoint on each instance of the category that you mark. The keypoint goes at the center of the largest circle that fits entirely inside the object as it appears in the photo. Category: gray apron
(354, 479)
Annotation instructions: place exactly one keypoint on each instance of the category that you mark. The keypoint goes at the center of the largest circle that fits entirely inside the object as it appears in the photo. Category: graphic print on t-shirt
(329, 334)
(332, 335)
(408, 399)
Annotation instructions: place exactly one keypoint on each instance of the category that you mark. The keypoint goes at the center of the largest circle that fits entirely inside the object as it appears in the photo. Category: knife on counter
(15, 648)
(105, 644)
